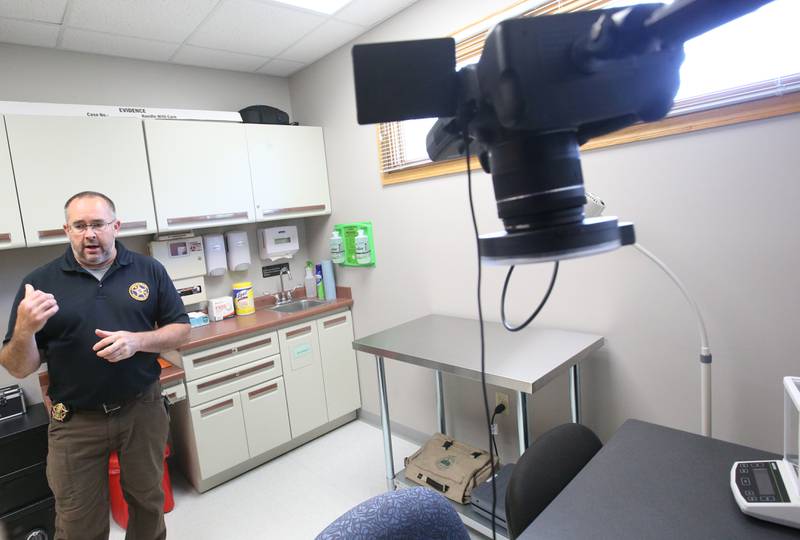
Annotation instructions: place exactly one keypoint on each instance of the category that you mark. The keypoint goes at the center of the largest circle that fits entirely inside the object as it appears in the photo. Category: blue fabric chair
(413, 513)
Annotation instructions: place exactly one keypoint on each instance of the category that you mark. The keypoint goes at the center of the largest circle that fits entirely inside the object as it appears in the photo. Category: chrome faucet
(284, 296)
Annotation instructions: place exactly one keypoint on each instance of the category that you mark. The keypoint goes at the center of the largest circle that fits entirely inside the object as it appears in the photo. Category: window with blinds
(745, 70)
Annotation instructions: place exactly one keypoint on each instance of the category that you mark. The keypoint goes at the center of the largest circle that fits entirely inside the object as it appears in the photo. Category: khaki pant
(77, 469)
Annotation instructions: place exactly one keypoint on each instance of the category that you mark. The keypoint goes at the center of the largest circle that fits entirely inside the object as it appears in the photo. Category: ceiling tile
(51, 11)
(199, 56)
(370, 12)
(172, 20)
(321, 41)
(28, 33)
(114, 45)
(254, 28)
(281, 68)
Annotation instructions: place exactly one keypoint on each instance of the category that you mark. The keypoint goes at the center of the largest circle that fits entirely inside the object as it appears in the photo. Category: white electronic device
(278, 243)
(770, 489)
(185, 262)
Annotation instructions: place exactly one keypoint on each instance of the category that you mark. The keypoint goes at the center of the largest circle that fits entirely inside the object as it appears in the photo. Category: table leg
(575, 393)
(387, 431)
(522, 421)
(440, 403)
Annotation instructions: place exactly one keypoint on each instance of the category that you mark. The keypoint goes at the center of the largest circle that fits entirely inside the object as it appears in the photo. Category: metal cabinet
(302, 372)
(56, 157)
(200, 174)
(11, 235)
(339, 364)
(289, 171)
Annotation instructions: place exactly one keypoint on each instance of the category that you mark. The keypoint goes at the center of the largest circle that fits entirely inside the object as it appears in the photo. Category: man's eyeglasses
(81, 227)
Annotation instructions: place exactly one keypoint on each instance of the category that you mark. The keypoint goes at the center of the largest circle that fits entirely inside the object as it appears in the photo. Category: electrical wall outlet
(499, 398)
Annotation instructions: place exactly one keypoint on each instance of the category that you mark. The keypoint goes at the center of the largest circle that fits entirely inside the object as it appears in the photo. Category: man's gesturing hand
(35, 308)
(116, 346)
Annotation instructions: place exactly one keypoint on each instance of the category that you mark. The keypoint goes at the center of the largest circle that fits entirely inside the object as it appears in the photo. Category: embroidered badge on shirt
(139, 291)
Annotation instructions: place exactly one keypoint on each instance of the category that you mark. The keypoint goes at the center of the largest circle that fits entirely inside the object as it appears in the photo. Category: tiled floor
(292, 497)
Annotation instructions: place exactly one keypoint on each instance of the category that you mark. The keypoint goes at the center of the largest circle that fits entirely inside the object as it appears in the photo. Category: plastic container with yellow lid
(243, 298)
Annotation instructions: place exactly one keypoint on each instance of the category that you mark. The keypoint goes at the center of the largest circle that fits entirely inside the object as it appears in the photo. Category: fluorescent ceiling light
(321, 6)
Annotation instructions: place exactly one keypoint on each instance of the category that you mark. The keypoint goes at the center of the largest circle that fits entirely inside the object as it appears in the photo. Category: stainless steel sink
(298, 305)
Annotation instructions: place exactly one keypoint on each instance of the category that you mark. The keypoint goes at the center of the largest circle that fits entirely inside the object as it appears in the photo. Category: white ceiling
(257, 36)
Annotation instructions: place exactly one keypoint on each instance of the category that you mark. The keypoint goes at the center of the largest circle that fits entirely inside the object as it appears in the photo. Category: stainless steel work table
(520, 361)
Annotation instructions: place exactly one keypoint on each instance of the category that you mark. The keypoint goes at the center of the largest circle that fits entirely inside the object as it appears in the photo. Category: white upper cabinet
(290, 174)
(11, 235)
(56, 157)
(200, 173)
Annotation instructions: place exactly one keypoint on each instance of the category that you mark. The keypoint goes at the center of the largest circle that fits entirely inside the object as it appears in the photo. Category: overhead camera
(542, 87)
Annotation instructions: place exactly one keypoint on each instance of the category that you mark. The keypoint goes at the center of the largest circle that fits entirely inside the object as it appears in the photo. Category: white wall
(45, 75)
(720, 207)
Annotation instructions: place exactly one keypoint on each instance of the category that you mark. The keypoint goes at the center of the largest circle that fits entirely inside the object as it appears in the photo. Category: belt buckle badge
(60, 412)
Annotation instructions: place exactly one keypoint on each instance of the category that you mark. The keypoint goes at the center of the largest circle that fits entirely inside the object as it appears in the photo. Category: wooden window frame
(757, 109)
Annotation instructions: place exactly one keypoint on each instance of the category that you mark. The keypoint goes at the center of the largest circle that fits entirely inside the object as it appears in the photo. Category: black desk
(652, 482)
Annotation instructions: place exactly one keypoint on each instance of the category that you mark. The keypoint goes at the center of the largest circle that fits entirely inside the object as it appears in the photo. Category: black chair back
(545, 468)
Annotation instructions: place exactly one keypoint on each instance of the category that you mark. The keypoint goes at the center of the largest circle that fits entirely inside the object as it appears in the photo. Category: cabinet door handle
(5, 237)
(293, 209)
(129, 225)
(51, 233)
(335, 322)
(208, 217)
(202, 387)
(261, 391)
(299, 332)
(227, 404)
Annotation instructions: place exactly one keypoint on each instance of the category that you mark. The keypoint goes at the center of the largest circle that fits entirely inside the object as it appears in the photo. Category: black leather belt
(62, 412)
(109, 408)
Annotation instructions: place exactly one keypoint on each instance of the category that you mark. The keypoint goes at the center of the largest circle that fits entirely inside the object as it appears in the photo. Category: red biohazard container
(119, 508)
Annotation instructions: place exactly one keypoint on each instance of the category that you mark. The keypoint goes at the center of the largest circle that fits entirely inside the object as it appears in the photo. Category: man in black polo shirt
(98, 315)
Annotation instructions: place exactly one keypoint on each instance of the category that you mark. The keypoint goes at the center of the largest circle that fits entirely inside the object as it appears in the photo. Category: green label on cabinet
(302, 350)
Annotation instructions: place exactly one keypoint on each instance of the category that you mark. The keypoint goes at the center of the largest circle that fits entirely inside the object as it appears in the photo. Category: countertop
(263, 319)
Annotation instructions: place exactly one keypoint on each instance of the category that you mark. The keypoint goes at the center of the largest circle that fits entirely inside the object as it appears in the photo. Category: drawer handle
(172, 395)
(208, 217)
(253, 345)
(232, 350)
(202, 387)
(261, 391)
(294, 209)
(210, 357)
(335, 322)
(227, 404)
(5, 237)
(299, 332)
(128, 225)
(51, 233)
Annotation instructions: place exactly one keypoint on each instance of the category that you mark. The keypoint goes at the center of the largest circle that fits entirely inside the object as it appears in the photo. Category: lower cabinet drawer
(233, 380)
(266, 416)
(36, 521)
(220, 434)
(23, 487)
